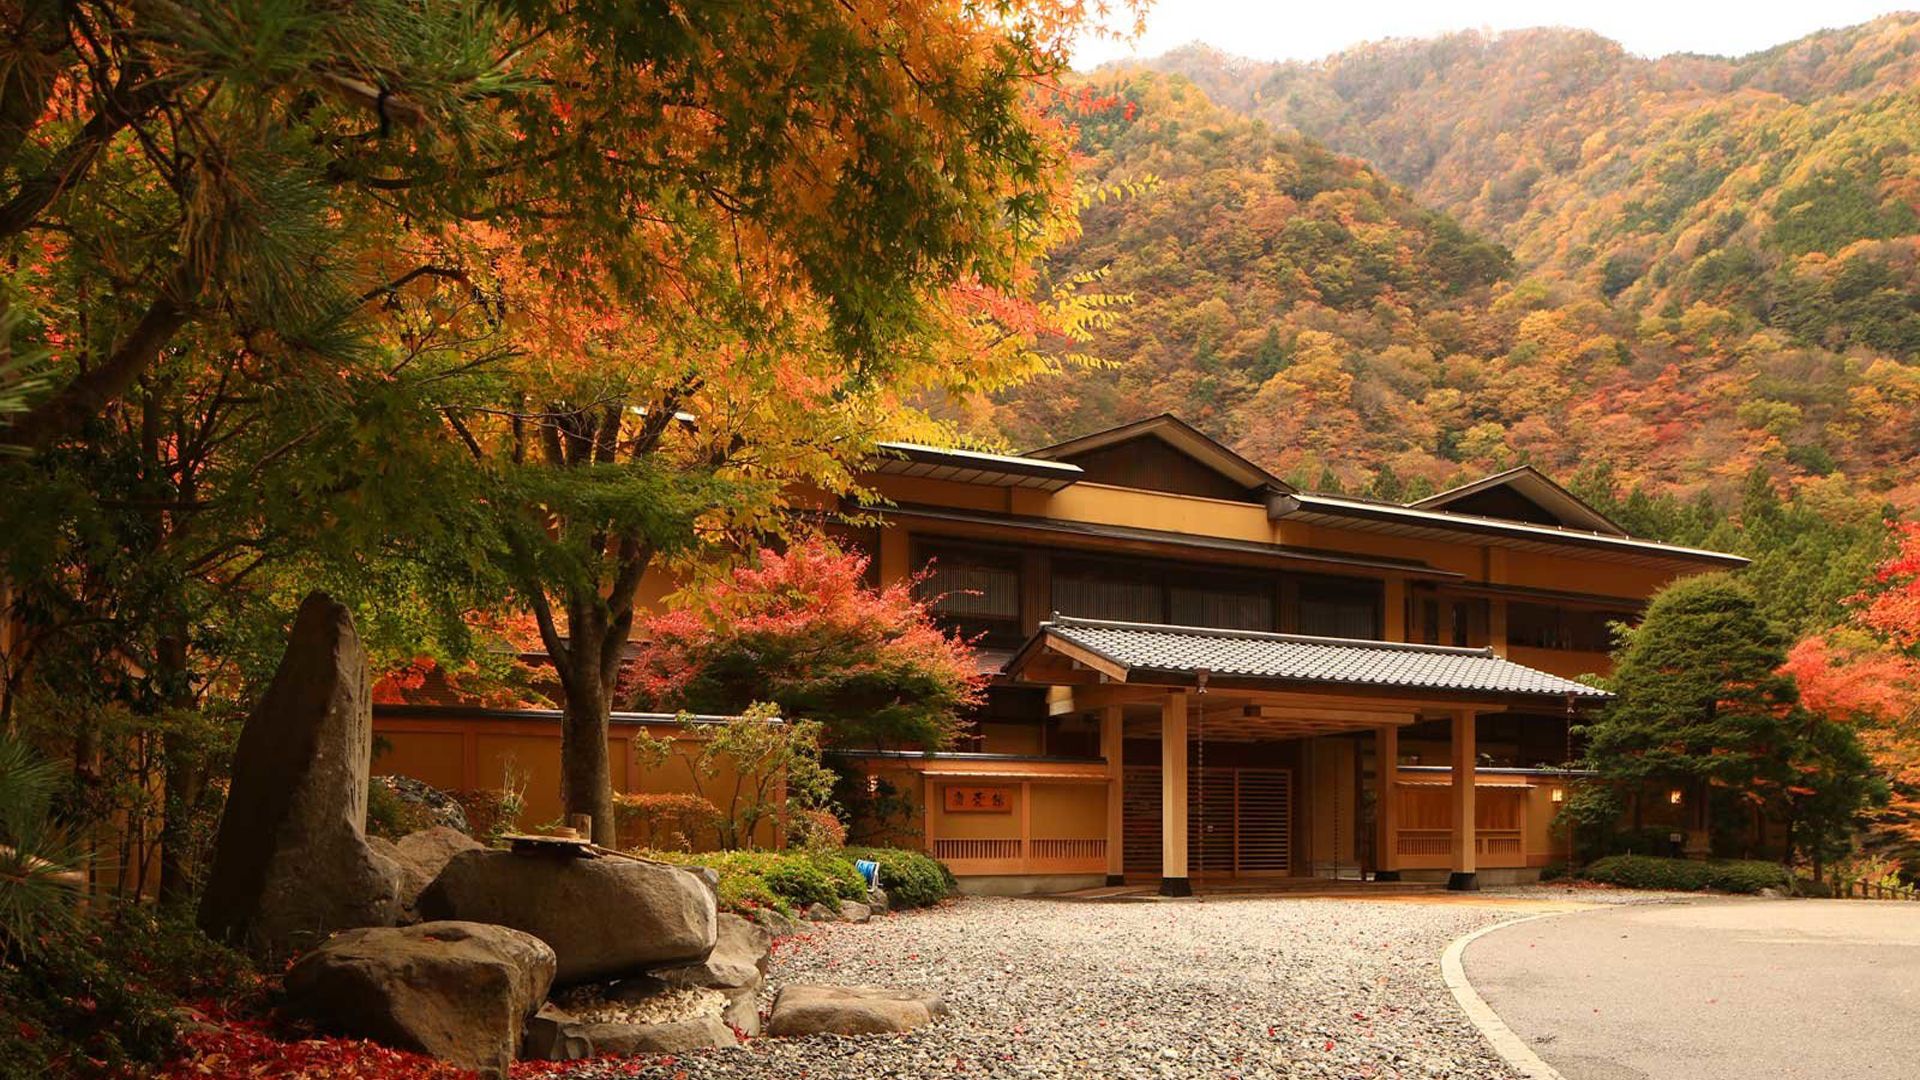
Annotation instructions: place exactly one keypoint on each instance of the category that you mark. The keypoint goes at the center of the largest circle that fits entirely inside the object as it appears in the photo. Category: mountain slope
(1782, 187)
(1296, 303)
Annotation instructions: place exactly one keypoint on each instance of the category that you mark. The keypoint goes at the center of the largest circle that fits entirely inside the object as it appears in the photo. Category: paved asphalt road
(1724, 989)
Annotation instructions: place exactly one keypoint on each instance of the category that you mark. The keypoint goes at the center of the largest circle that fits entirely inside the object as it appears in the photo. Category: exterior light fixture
(1559, 795)
(1674, 796)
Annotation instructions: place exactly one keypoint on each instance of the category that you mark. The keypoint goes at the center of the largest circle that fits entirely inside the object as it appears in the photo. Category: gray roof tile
(1245, 654)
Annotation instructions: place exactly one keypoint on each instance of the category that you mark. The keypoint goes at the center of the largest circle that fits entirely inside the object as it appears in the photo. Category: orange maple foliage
(1867, 673)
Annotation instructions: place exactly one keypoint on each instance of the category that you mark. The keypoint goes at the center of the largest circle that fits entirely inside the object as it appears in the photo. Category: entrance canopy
(1094, 652)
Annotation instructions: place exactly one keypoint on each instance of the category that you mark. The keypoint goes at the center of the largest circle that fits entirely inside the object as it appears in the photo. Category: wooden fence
(1868, 890)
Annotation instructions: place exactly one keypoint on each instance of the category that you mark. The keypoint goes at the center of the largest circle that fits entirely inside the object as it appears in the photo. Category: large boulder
(459, 991)
(811, 1009)
(640, 1015)
(291, 862)
(421, 856)
(555, 1034)
(739, 958)
(737, 967)
(604, 917)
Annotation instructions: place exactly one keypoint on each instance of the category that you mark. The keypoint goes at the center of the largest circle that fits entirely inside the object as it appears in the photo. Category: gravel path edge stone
(1511, 1048)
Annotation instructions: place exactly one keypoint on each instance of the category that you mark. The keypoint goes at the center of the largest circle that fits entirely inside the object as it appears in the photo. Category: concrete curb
(1505, 1043)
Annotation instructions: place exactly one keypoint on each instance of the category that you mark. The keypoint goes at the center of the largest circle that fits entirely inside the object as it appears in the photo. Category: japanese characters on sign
(988, 800)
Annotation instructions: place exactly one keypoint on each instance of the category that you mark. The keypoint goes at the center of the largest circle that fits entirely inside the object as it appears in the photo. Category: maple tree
(803, 629)
(1866, 672)
(500, 251)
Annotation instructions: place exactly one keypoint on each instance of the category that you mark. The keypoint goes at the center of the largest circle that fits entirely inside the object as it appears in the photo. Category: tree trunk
(586, 773)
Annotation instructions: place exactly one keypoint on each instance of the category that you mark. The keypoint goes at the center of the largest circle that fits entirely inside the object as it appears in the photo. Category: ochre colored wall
(1569, 663)
(481, 752)
(1009, 738)
(1069, 811)
(1158, 510)
(974, 825)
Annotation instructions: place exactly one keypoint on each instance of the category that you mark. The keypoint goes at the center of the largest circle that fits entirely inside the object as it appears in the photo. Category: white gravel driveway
(1215, 988)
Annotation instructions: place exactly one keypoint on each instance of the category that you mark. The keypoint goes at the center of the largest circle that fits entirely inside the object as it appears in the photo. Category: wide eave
(1150, 654)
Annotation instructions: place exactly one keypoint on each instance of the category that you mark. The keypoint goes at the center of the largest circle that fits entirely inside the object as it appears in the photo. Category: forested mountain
(1714, 264)
(1779, 186)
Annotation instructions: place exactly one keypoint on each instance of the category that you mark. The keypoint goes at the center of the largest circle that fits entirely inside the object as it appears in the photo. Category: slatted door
(1140, 819)
(1245, 826)
(1212, 823)
(1264, 843)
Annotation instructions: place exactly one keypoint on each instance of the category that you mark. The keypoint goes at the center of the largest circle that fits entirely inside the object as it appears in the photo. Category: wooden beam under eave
(1360, 717)
(1087, 658)
(1085, 698)
(1058, 671)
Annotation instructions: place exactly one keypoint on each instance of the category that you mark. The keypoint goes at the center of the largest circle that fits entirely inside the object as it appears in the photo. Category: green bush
(1688, 875)
(911, 878)
(101, 998)
(782, 880)
(813, 878)
(786, 880)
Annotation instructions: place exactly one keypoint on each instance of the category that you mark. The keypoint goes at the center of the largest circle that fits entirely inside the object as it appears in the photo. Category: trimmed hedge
(912, 879)
(1688, 875)
(787, 880)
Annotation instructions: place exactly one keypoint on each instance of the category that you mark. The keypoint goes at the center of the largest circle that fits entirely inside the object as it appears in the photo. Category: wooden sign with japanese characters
(989, 800)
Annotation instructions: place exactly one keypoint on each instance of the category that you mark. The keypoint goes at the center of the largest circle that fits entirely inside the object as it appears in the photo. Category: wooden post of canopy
(1173, 795)
(1465, 758)
(1112, 747)
(1386, 802)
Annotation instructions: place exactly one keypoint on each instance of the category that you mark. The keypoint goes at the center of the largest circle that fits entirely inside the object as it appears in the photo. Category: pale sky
(1292, 30)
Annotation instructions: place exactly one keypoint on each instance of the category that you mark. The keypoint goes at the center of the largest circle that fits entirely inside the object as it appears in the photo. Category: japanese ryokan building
(1201, 673)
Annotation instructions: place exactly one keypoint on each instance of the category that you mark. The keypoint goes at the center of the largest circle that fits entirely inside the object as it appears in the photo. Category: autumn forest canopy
(1472, 251)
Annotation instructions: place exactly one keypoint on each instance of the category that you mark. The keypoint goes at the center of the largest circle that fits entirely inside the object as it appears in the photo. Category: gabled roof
(1153, 654)
(1178, 434)
(1535, 487)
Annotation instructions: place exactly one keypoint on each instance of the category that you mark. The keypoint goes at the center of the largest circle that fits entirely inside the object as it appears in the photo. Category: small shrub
(1688, 875)
(782, 880)
(100, 999)
(1553, 871)
(391, 816)
(491, 812)
(818, 828)
(912, 879)
(664, 820)
(815, 877)
(743, 893)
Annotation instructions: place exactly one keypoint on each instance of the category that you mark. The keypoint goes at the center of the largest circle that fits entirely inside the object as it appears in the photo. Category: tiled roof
(1293, 658)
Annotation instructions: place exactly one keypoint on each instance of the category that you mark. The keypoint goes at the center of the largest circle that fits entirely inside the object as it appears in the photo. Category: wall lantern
(1559, 795)
(1674, 796)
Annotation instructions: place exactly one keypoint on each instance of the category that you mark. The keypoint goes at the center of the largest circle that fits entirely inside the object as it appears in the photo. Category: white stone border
(1508, 1045)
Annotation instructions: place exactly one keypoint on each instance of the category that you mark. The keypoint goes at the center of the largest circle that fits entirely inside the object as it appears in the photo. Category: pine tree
(1704, 707)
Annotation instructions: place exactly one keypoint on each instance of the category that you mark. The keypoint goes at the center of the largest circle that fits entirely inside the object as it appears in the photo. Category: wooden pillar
(1173, 795)
(1112, 747)
(1386, 802)
(1465, 758)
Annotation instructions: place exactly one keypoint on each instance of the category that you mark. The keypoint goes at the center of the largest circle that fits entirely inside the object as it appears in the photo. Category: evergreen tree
(1704, 707)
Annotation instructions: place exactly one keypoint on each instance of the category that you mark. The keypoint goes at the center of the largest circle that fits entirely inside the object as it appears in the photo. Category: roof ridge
(1059, 620)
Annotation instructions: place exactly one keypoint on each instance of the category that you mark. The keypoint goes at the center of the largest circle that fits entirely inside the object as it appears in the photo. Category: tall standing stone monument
(291, 863)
